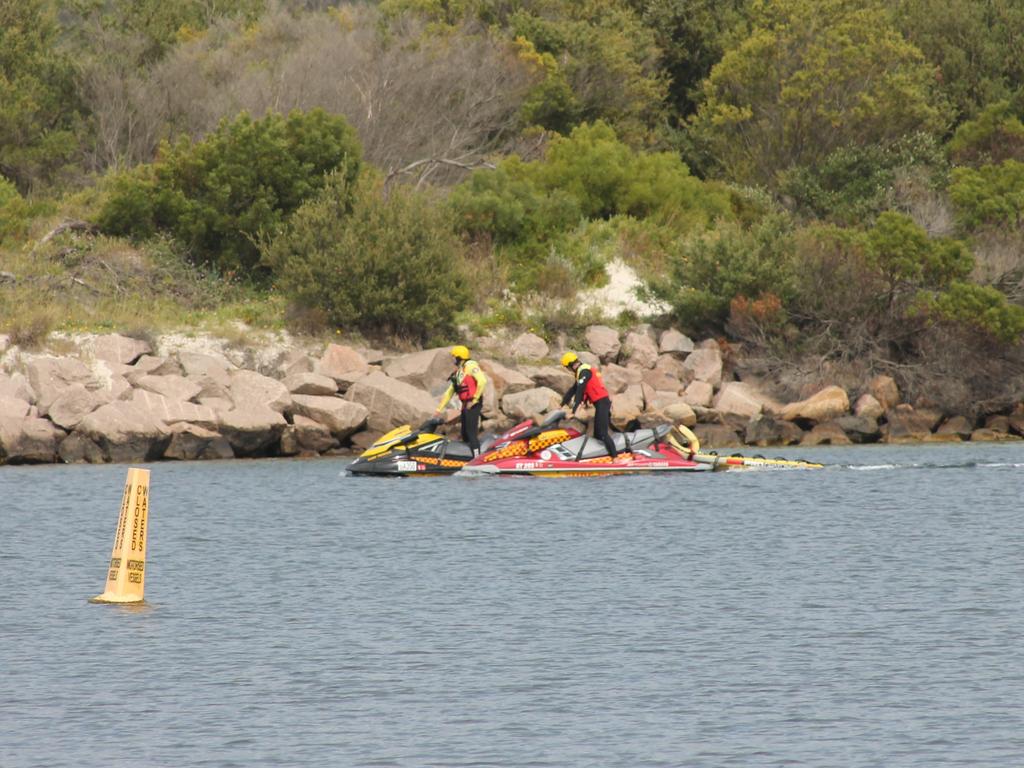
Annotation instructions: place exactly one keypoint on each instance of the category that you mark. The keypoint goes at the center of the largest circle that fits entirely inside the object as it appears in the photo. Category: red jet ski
(518, 452)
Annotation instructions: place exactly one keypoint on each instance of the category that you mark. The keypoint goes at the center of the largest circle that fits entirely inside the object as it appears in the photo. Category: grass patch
(80, 282)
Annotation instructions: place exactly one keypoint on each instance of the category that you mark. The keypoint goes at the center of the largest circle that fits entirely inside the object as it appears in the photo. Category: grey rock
(28, 440)
(390, 403)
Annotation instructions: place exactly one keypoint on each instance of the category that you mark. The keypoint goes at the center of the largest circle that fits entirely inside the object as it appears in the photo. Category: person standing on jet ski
(589, 388)
(468, 382)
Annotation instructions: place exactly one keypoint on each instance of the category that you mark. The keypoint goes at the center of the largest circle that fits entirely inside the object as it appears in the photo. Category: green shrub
(990, 196)
(854, 184)
(903, 254)
(380, 264)
(714, 267)
(220, 195)
(506, 206)
(607, 178)
(994, 136)
(16, 213)
(537, 215)
(977, 306)
(858, 291)
(12, 210)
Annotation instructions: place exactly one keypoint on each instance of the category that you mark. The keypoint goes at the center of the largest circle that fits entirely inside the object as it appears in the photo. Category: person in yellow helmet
(589, 388)
(468, 382)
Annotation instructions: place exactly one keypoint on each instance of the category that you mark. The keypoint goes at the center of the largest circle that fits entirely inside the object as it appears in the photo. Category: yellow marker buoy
(126, 576)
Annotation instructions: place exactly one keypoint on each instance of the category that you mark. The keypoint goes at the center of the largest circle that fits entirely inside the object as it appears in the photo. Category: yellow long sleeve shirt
(468, 368)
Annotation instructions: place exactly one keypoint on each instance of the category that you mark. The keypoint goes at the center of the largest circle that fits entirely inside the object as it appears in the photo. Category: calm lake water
(871, 614)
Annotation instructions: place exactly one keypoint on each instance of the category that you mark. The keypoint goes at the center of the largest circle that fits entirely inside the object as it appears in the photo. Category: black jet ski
(408, 452)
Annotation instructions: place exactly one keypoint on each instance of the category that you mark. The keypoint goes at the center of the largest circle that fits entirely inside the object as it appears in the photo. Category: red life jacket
(595, 388)
(465, 384)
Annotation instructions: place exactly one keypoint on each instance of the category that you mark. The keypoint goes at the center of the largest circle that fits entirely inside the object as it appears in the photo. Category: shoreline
(111, 398)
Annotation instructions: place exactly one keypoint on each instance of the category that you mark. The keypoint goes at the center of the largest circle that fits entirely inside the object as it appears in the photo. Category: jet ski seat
(641, 438)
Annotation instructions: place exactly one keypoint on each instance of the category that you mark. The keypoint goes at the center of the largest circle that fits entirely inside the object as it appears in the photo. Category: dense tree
(713, 268)
(978, 47)
(38, 105)
(153, 27)
(219, 195)
(995, 135)
(426, 105)
(852, 185)
(812, 77)
(605, 55)
(385, 264)
(692, 35)
(990, 196)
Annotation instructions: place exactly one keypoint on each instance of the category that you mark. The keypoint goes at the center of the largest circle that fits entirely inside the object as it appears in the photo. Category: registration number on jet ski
(406, 466)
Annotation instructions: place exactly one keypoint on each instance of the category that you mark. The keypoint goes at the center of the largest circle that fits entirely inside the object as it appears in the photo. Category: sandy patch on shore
(620, 294)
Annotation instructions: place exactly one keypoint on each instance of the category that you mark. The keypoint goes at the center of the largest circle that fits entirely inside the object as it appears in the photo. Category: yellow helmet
(460, 352)
(569, 358)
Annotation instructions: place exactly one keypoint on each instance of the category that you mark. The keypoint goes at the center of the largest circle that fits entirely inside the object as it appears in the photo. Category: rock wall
(117, 399)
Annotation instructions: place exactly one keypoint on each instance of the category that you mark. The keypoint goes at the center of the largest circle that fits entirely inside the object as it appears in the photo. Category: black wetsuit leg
(471, 426)
(602, 424)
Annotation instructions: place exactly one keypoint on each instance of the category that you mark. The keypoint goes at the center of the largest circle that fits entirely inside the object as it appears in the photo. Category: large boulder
(530, 403)
(125, 432)
(291, 362)
(76, 448)
(717, 436)
(341, 363)
(658, 400)
(763, 430)
(211, 372)
(674, 413)
(830, 403)
(860, 429)
(190, 442)
(699, 394)
(627, 405)
(867, 405)
(152, 365)
(639, 349)
(529, 346)
(603, 342)
(310, 384)
(306, 437)
(986, 435)
(390, 403)
(341, 417)
(28, 440)
(504, 380)
(110, 381)
(15, 407)
(49, 377)
(173, 387)
(885, 391)
(74, 404)
(705, 364)
(736, 398)
(617, 378)
(428, 370)
(551, 376)
(906, 425)
(251, 430)
(673, 342)
(16, 386)
(115, 348)
(170, 410)
(668, 374)
(958, 426)
(826, 433)
(252, 390)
